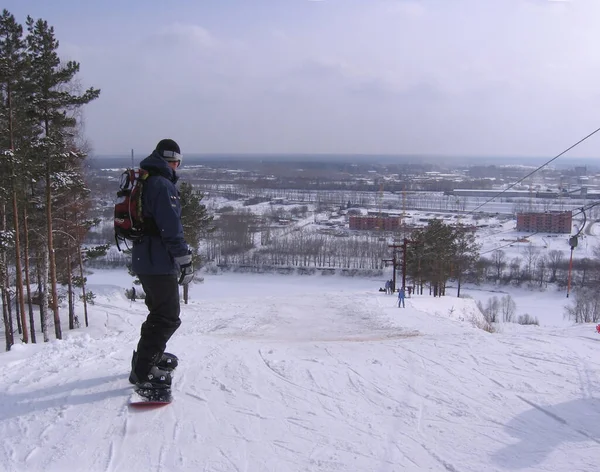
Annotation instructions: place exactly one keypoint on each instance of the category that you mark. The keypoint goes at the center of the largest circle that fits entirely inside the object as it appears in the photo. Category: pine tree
(18, 130)
(429, 258)
(196, 223)
(54, 107)
(81, 280)
(12, 70)
(194, 217)
(465, 254)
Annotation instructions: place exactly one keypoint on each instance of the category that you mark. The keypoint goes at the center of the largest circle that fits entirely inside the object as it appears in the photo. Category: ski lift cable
(585, 208)
(496, 233)
(470, 212)
(505, 245)
(537, 169)
(582, 210)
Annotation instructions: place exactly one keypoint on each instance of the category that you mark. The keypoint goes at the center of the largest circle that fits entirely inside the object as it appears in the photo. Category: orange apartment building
(385, 223)
(548, 222)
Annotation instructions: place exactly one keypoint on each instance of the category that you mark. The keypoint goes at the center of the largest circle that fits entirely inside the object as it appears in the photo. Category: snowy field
(318, 373)
(494, 232)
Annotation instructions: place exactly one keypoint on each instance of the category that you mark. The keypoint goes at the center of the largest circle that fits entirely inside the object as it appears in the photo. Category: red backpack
(129, 219)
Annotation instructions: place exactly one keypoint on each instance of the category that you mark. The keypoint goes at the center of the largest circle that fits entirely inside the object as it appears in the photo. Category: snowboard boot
(156, 378)
(167, 362)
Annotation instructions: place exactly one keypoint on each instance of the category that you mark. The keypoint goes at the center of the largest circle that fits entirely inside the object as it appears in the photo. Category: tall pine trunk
(17, 315)
(43, 289)
(8, 331)
(10, 306)
(85, 312)
(72, 320)
(7, 325)
(50, 256)
(19, 275)
(27, 281)
(4, 288)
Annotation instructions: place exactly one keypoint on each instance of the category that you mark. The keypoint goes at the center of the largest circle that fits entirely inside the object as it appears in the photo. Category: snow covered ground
(313, 373)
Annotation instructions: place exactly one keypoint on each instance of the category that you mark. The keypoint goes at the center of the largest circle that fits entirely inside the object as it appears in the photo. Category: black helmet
(169, 151)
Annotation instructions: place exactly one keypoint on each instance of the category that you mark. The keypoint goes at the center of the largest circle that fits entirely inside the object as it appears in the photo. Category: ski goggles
(172, 156)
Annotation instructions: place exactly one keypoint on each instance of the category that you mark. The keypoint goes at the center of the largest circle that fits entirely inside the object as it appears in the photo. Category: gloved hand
(186, 271)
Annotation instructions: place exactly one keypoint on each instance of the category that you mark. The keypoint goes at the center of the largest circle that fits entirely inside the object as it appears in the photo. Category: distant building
(548, 222)
(467, 192)
(385, 223)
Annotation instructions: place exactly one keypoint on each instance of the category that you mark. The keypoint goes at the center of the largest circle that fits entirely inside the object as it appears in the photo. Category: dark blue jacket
(155, 254)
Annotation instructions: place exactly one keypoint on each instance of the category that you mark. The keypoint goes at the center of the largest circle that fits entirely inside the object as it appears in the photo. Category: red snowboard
(150, 397)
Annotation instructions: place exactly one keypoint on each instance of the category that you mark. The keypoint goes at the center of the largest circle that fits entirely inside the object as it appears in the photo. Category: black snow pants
(162, 300)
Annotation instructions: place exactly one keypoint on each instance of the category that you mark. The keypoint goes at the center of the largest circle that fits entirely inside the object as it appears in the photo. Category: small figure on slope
(401, 298)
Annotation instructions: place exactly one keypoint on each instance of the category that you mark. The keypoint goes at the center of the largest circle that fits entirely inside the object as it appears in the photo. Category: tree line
(436, 254)
(535, 268)
(44, 198)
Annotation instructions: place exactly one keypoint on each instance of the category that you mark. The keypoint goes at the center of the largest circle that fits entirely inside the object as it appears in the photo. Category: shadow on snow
(542, 428)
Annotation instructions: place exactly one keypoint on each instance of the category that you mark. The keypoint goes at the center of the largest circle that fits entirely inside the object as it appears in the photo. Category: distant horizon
(565, 161)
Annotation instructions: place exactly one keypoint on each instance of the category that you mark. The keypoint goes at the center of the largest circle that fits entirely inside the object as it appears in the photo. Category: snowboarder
(162, 260)
(401, 298)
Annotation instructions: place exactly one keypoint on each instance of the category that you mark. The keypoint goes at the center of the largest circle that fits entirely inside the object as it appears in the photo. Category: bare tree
(595, 274)
(583, 267)
(515, 270)
(499, 261)
(490, 310)
(531, 257)
(585, 308)
(541, 269)
(508, 308)
(555, 259)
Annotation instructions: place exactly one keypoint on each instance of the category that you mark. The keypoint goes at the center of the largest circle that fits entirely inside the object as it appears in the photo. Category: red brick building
(385, 223)
(548, 222)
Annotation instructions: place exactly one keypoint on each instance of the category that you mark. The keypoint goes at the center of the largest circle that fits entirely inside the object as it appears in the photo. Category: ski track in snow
(341, 380)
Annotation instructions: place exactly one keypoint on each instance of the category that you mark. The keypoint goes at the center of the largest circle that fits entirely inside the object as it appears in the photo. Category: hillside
(307, 374)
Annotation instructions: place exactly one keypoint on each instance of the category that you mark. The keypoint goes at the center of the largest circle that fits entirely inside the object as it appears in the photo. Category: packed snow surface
(309, 373)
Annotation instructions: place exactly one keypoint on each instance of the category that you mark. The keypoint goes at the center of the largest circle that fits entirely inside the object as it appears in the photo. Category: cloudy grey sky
(455, 77)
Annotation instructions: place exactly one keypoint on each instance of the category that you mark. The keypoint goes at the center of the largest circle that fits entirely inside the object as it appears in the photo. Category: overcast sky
(455, 77)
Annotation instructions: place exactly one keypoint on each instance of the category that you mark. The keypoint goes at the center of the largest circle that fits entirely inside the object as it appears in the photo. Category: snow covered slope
(306, 374)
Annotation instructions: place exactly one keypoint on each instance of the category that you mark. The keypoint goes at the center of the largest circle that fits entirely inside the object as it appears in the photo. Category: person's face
(173, 164)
